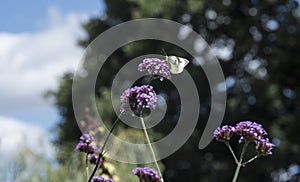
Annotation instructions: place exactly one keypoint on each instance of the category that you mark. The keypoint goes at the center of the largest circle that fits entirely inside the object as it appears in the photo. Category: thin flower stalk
(151, 148)
(99, 161)
(232, 152)
(239, 165)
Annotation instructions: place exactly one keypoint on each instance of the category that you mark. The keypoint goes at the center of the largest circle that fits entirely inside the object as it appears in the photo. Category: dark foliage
(263, 71)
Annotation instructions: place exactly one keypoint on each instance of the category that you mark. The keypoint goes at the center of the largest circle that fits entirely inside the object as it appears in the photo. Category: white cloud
(15, 135)
(31, 63)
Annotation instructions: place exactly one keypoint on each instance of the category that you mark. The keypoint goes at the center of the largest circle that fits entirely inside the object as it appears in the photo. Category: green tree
(262, 75)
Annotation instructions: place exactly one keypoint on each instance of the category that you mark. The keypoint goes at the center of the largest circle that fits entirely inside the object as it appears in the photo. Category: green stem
(110, 132)
(243, 152)
(232, 152)
(250, 160)
(151, 149)
(86, 166)
(237, 171)
(87, 173)
(103, 147)
(150, 79)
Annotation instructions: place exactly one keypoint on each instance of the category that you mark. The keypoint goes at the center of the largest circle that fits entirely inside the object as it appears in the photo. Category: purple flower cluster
(137, 98)
(101, 179)
(224, 133)
(264, 147)
(86, 138)
(147, 174)
(249, 132)
(155, 66)
(94, 159)
(85, 146)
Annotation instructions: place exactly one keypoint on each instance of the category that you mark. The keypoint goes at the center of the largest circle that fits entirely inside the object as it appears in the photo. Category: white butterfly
(176, 64)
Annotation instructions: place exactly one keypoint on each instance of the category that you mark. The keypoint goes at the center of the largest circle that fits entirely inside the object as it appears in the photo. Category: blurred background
(255, 41)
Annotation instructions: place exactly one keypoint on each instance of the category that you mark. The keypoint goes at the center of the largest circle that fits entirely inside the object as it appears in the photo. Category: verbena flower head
(101, 179)
(94, 159)
(264, 147)
(86, 148)
(137, 98)
(86, 138)
(155, 66)
(147, 174)
(249, 131)
(224, 133)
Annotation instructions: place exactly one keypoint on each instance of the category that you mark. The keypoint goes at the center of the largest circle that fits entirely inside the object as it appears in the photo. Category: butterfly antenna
(164, 52)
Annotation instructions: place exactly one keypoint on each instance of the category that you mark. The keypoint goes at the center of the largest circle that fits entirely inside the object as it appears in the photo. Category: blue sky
(38, 43)
(23, 16)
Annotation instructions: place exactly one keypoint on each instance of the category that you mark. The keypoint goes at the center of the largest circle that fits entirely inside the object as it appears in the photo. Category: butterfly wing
(176, 64)
(173, 63)
(181, 64)
(183, 61)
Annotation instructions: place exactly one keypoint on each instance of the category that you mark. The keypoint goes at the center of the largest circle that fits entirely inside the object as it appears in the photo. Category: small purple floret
(224, 134)
(101, 179)
(155, 66)
(94, 159)
(264, 147)
(249, 131)
(138, 97)
(147, 174)
(86, 148)
(86, 138)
